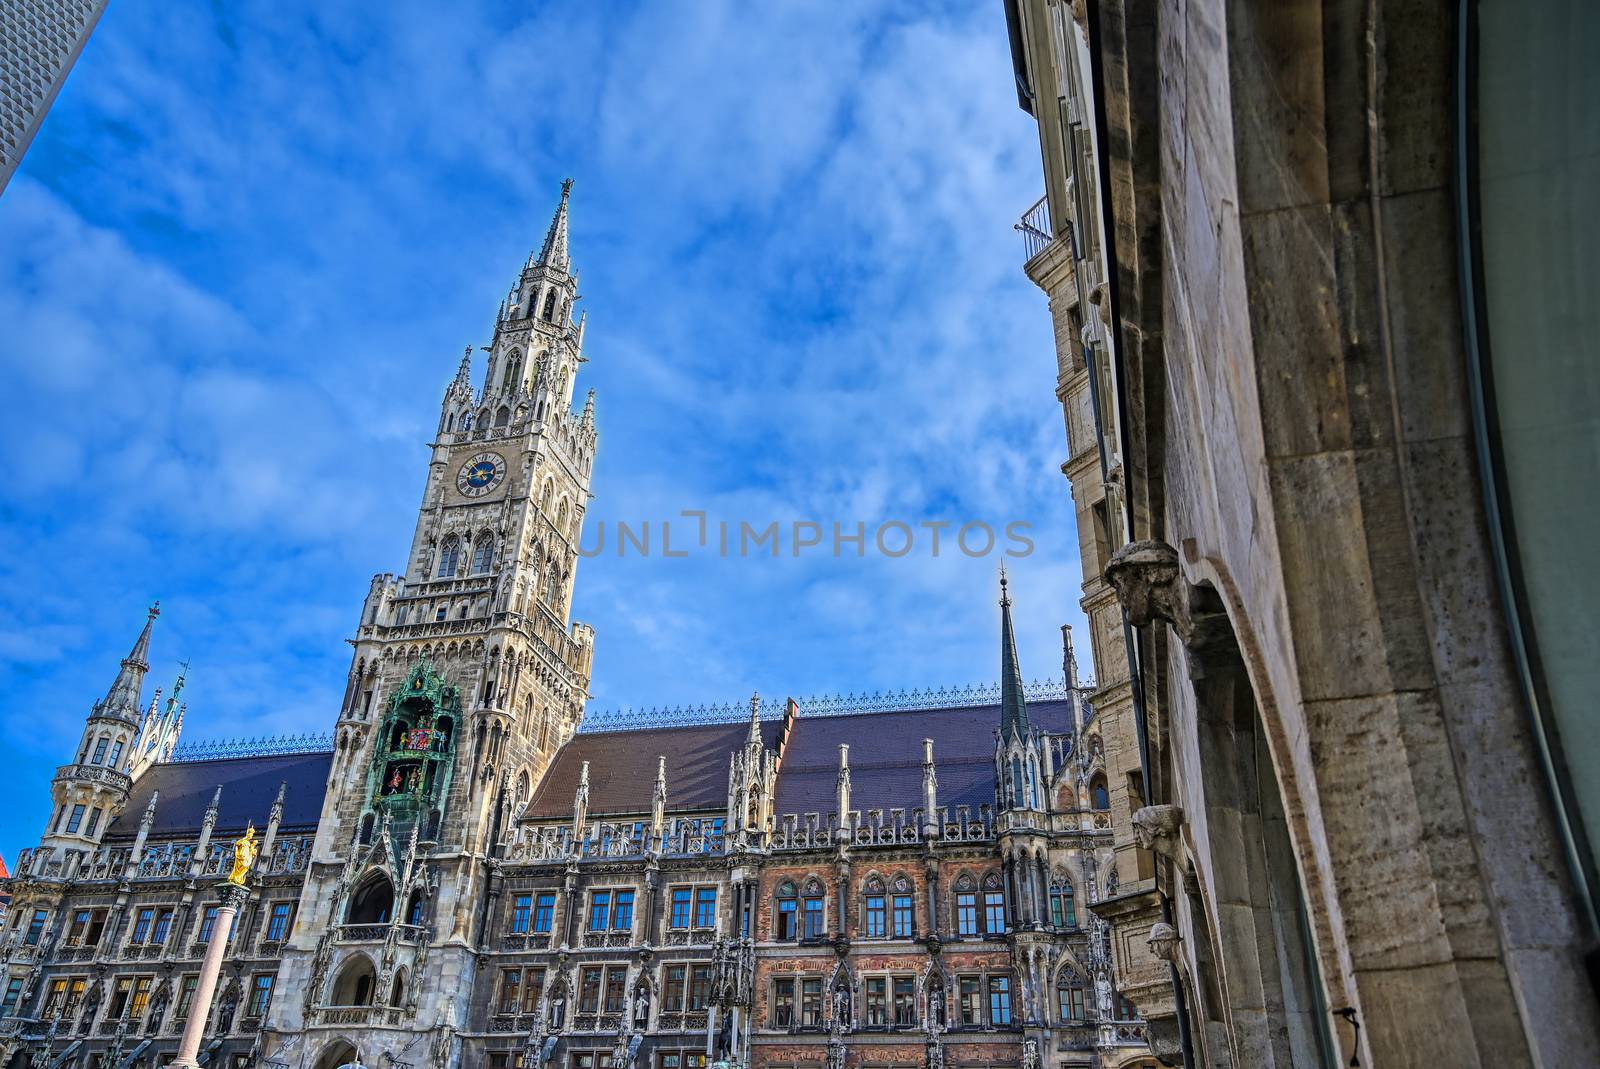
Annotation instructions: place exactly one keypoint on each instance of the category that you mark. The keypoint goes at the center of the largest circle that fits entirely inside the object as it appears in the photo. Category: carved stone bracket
(1150, 586)
(1156, 827)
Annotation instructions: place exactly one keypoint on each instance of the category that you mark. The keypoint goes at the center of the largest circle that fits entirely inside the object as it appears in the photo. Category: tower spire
(553, 253)
(122, 700)
(1013, 708)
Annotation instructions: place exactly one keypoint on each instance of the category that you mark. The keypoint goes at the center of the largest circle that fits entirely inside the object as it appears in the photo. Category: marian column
(234, 894)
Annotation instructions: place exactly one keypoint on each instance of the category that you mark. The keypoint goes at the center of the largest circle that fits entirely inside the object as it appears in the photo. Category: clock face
(481, 474)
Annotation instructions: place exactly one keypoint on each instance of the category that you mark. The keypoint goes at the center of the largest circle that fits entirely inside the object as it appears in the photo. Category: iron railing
(263, 746)
(1035, 227)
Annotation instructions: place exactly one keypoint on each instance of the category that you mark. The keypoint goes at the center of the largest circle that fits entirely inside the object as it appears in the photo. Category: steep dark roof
(622, 769)
(885, 762)
(249, 785)
(886, 757)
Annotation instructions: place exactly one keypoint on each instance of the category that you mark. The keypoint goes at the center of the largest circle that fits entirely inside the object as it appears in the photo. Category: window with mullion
(682, 907)
(967, 913)
(278, 922)
(999, 1000)
(589, 989)
(905, 1002)
(815, 923)
(873, 917)
(902, 917)
(705, 907)
(971, 988)
(622, 912)
(142, 924)
(699, 987)
(260, 995)
(994, 912)
(158, 935)
(544, 911)
(599, 910)
(877, 1001)
(788, 928)
(673, 988)
(521, 914)
(510, 990)
(811, 1003)
(783, 1002)
(616, 985)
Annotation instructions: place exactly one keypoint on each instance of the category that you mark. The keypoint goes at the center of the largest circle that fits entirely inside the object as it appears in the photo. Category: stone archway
(338, 1054)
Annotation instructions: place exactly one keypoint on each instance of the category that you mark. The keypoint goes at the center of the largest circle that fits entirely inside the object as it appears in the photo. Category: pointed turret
(553, 253)
(122, 700)
(1013, 707)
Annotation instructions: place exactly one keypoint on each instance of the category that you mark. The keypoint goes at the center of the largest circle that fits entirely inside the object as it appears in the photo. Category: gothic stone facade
(464, 879)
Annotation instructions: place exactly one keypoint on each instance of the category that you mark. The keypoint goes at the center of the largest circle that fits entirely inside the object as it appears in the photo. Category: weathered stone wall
(1281, 181)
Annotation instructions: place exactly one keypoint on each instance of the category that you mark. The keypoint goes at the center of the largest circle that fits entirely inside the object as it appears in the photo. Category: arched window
(1099, 797)
(483, 555)
(450, 422)
(449, 557)
(550, 306)
(547, 497)
(366, 829)
(502, 417)
(397, 996)
(561, 388)
(373, 902)
(513, 365)
(1033, 784)
(1069, 995)
(561, 515)
(1016, 783)
(415, 911)
(1063, 906)
(353, 986)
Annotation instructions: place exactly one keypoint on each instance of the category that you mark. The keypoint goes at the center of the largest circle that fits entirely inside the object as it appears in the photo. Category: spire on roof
(553, 253)
(122, 700)
(1013, 707)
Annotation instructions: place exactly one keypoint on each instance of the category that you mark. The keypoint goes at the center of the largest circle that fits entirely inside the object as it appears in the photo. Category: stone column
(233, 896)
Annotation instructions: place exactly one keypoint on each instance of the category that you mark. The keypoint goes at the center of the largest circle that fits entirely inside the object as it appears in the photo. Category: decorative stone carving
(1155, 827)
(1163, 941)
(1150, 585)
(1030, 1054)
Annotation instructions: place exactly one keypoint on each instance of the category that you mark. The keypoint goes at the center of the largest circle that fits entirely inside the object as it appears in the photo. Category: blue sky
(242, 258)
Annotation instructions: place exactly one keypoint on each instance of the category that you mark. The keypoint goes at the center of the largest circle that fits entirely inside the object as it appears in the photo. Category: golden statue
(244, 855)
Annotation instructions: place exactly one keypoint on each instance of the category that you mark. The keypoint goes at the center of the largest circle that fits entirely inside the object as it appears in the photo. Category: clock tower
(466, 675)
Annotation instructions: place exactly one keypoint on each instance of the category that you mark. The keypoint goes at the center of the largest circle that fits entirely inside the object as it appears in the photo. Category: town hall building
(466, 873)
